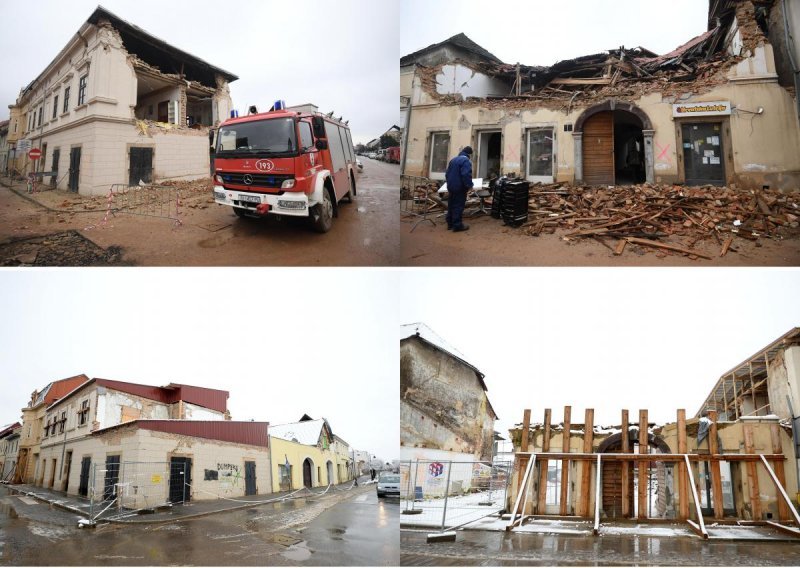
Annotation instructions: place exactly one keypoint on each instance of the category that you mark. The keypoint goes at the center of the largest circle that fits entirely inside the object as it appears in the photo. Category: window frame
(439, 175)
(66, 99)
(540, 178)
(83, 413)
(83, 84)
(55, 107)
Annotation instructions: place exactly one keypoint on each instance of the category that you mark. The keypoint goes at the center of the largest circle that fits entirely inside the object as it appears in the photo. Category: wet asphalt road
(490, 548)
(339, 529)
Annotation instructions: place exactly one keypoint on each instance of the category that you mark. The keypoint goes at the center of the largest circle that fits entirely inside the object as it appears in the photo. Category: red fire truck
(285, 162)
(393, 155)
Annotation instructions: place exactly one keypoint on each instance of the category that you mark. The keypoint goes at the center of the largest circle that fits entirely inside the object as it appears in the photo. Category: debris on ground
(664, 218)
(68, 248)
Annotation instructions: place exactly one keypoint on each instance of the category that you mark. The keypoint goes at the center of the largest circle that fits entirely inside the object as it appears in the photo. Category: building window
(440, 148)
(47, 428)
(83, 413)
(66, 99)
(62, 423)
(82, 90)
(55, 106)
(540, 153)
(41, 114)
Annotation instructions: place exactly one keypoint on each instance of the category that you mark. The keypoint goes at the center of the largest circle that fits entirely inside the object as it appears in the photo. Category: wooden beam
(541, 496)
(781, 490)
(716, 477)
(752, 474)
(735, 397)
(626, 447)
(578, 81)
(777, 448)
(658, 457)
(656, 244)
(683, 479)
(788, 530)
(565, 463)
(643, 466)
(598, 484)
(586, 467)
(523, 461)
(700, 522)
(524, 489)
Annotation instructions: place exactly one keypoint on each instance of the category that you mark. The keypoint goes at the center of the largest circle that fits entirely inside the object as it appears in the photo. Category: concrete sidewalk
(171, 512)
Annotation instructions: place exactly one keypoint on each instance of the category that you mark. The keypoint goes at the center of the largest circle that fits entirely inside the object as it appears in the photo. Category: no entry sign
(35, 154)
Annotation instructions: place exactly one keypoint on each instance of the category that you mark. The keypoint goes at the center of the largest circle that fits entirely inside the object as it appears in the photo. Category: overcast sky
(608, 339)
(544, 32)
(341, 56)
(283, 342)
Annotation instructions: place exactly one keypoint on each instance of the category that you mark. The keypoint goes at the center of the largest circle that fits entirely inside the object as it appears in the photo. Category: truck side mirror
(211, 136)
(318, 125)
(321, 144)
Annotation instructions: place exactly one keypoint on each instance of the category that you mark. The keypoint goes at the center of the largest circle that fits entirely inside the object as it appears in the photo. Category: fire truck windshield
(273, 137)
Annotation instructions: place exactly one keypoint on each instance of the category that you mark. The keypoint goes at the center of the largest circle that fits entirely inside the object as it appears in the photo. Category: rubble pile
(647, 213)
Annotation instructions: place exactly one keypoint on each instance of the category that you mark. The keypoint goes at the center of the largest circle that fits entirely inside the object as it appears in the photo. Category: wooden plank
(541, 497)
(620, 247)
(698, 512)
(725, 246)
(598, 484)
(777, 448)
(752, 474)
(643, 466)
(586, 467)
(523, 460)
(579, 81)
(696, 528)
(735, 397)
(565, 463)
(626, 480)
(781, 490)
(783, 528)
(523, 489)
(683, 479)
(656, 244)
(716, 477)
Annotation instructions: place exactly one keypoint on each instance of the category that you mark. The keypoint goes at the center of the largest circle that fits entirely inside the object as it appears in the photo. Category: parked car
(372, 155)
(359, 165)
(388, 484)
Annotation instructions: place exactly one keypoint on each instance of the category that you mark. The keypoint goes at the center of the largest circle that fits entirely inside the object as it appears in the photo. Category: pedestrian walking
(459, 182)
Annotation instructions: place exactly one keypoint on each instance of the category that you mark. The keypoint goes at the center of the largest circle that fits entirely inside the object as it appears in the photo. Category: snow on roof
(306, 433)
(425, 332)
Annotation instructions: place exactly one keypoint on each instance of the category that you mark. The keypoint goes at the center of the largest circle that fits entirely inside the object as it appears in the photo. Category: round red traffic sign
(35, 154)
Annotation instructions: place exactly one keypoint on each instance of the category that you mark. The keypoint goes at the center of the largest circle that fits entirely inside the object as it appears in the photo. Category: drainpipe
(405, 137)
(789, 44)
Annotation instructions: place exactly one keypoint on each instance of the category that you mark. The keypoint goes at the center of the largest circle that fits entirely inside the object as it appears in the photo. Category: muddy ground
(41, 230)
(490, 243)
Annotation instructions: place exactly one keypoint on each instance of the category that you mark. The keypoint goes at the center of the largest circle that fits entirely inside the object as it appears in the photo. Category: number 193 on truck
(285, 162)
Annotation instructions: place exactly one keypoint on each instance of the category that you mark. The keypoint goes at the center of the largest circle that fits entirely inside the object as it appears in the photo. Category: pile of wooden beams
(647, 214)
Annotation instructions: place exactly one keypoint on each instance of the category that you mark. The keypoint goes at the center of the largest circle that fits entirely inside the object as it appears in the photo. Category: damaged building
(131, 444)
(445, 413)
(118, 106)
(732, 464)
(721, 109)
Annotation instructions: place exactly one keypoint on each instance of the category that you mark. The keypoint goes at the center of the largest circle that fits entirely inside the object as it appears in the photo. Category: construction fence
(447, 494)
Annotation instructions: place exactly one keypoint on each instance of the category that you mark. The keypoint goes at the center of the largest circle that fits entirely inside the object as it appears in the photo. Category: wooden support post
(780, 489)
(626, 480)
(683, 477)
(753, 390)
(586, 466)
(541, 501)
(525, 480)
(777, 465)
(523, 446)
(716, 477)
(643, 466)
(735, 397)
(752, 474)
(565, 463)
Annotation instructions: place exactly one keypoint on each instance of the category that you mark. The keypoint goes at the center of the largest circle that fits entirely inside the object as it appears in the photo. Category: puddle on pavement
(49, 532)
(336, 533)
(8, 510)
(298, 552)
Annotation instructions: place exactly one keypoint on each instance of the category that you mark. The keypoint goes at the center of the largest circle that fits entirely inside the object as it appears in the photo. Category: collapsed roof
(698, 65)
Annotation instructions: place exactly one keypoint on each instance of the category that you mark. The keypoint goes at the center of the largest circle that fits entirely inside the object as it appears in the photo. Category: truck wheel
(350, 195)
(240, 212)
(322, 213)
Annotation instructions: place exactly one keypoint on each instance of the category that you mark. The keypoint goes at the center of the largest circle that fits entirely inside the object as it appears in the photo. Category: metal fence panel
(449, 494)
(161, 201)
(418, 200)
(122, 488)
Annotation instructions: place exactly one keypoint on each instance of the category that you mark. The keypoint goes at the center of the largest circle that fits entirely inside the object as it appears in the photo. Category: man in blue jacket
(459, 182)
